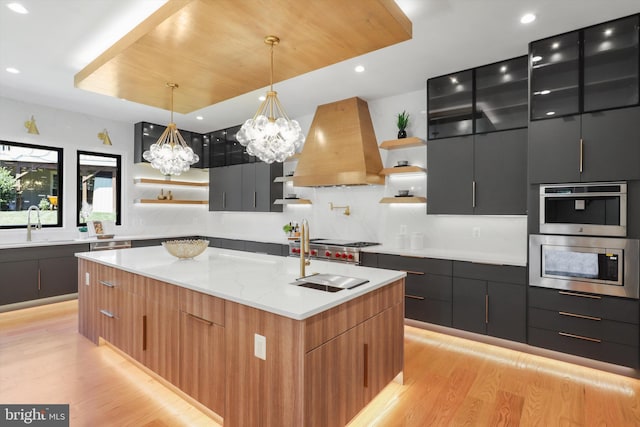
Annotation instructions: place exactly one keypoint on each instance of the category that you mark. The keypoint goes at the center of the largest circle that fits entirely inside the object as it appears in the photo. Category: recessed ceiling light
(503, 69)
(527, 18)
(545, 92)
(454, 80)
(18, 8)
(359, 69)
(608, 32)
(199, 118)
(550, 113)
(262, 98)
(13, 70)
(555, 45)
(536, 59)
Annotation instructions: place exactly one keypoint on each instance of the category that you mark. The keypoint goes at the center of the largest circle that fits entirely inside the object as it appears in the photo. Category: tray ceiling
(214, 49)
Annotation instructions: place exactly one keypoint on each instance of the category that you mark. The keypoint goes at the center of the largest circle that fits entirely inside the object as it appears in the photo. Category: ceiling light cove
(527, 18)
(18, 8)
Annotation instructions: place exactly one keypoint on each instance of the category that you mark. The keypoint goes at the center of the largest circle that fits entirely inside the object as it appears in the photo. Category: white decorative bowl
(185, 249)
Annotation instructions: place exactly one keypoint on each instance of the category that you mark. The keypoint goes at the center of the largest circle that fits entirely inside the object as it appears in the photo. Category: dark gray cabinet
(31, 273)
(600, 146)
(258, 189)
(593, 326)
(19, 281)
(427, 287)
(225, 188)
(245, 187)
(482, 174)
(490, 299)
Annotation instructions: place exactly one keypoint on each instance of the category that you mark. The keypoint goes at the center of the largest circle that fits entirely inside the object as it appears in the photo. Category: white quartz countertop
(456, 255)
(256, 280)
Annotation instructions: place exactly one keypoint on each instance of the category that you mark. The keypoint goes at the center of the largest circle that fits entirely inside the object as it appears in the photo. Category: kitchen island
(230, 330)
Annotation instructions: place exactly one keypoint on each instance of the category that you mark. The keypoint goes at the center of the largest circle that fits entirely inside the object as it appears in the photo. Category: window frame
(60, 173)
(118, 158)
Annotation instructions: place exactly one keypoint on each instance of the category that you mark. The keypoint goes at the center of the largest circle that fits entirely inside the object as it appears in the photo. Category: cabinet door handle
(144, 333)
(417, 273)
(473, 194)
(579, 316)
(580, 337)
(254, 199)
(107, 313)
(200, 319)
(486, 309)
(39, 281)
(224, 200)
(414, 297)
(366, 366)
(581, 153)
(573, 294)
(107, 284)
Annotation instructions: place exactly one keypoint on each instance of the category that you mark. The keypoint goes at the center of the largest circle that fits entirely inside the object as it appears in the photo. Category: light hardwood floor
(447, 382)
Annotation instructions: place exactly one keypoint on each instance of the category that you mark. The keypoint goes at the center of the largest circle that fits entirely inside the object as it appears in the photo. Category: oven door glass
(588, 264)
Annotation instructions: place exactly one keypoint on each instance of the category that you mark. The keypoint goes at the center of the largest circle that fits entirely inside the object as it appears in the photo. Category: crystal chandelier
(171, 154)
(270, 134)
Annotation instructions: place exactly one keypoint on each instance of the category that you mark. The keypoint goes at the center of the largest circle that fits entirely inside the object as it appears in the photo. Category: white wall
(370, 221)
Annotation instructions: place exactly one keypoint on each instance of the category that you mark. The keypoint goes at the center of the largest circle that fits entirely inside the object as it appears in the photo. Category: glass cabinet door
(501, 95)
(450, 103)
(611, 64)
(555, 76)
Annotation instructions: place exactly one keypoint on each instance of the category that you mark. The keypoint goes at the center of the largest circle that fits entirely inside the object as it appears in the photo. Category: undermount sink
(329, 282)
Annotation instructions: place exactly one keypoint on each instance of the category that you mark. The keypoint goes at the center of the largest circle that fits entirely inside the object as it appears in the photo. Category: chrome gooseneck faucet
(38, 226)
(304, 246)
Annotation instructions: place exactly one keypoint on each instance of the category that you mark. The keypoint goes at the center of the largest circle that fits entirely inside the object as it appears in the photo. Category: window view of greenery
(98, 187)
(30, 175)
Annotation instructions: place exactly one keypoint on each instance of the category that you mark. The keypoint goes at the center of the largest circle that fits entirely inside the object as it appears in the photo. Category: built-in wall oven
(607, 266)
(588, 209)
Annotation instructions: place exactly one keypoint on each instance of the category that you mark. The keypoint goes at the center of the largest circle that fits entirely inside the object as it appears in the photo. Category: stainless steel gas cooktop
(332, 249)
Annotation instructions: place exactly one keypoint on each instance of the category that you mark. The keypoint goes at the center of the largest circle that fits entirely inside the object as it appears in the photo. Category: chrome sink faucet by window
(38, 226)
(304, 247)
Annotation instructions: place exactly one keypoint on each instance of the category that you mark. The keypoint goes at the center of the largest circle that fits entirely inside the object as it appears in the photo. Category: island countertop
(256, 280)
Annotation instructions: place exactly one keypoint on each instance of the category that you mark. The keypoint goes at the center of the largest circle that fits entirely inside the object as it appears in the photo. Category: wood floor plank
(448, 381)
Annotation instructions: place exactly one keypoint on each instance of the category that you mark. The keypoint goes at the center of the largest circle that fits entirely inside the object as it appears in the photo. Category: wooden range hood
(341, 147)
(214, 49)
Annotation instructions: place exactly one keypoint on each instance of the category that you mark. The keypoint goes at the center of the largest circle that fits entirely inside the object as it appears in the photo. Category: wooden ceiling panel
(214, 49)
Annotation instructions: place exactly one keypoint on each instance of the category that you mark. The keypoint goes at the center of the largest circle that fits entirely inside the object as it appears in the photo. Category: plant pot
(402, 134)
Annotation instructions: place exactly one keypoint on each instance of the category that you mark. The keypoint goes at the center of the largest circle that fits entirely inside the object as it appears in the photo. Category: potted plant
(403, 121)
(287, 228)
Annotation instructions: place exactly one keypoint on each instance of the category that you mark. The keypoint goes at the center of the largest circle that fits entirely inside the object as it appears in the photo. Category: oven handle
(573, 294)
(582, 195)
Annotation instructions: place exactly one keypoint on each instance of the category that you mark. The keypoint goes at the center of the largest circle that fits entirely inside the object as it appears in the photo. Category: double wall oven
(584, 245)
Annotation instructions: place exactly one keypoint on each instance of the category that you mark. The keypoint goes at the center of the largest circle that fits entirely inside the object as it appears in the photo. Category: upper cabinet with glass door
(501, 95)
(485, 99)
(586, 70)
(450, 105)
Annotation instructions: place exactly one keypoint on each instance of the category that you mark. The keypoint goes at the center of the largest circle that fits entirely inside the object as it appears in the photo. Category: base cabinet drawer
(616, 353)
(586, 326)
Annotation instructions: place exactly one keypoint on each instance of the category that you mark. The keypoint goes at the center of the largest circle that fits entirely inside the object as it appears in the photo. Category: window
(30, 175)
(98, 187)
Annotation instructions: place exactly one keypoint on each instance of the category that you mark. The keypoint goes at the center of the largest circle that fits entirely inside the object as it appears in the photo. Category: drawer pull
(366, 366)
(200, 319)
(486, 309)
(579, 316)
(417, 273)
(573, 294)
(107, 284)
(107, 313)
(580, 337)
(144, 333)
(414, 297)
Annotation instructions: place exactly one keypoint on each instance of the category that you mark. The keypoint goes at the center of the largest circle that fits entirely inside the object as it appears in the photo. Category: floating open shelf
(414, 199)
(170, 182)
(395, 144)
(402, 169)
(292, 202)
(173, 202)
